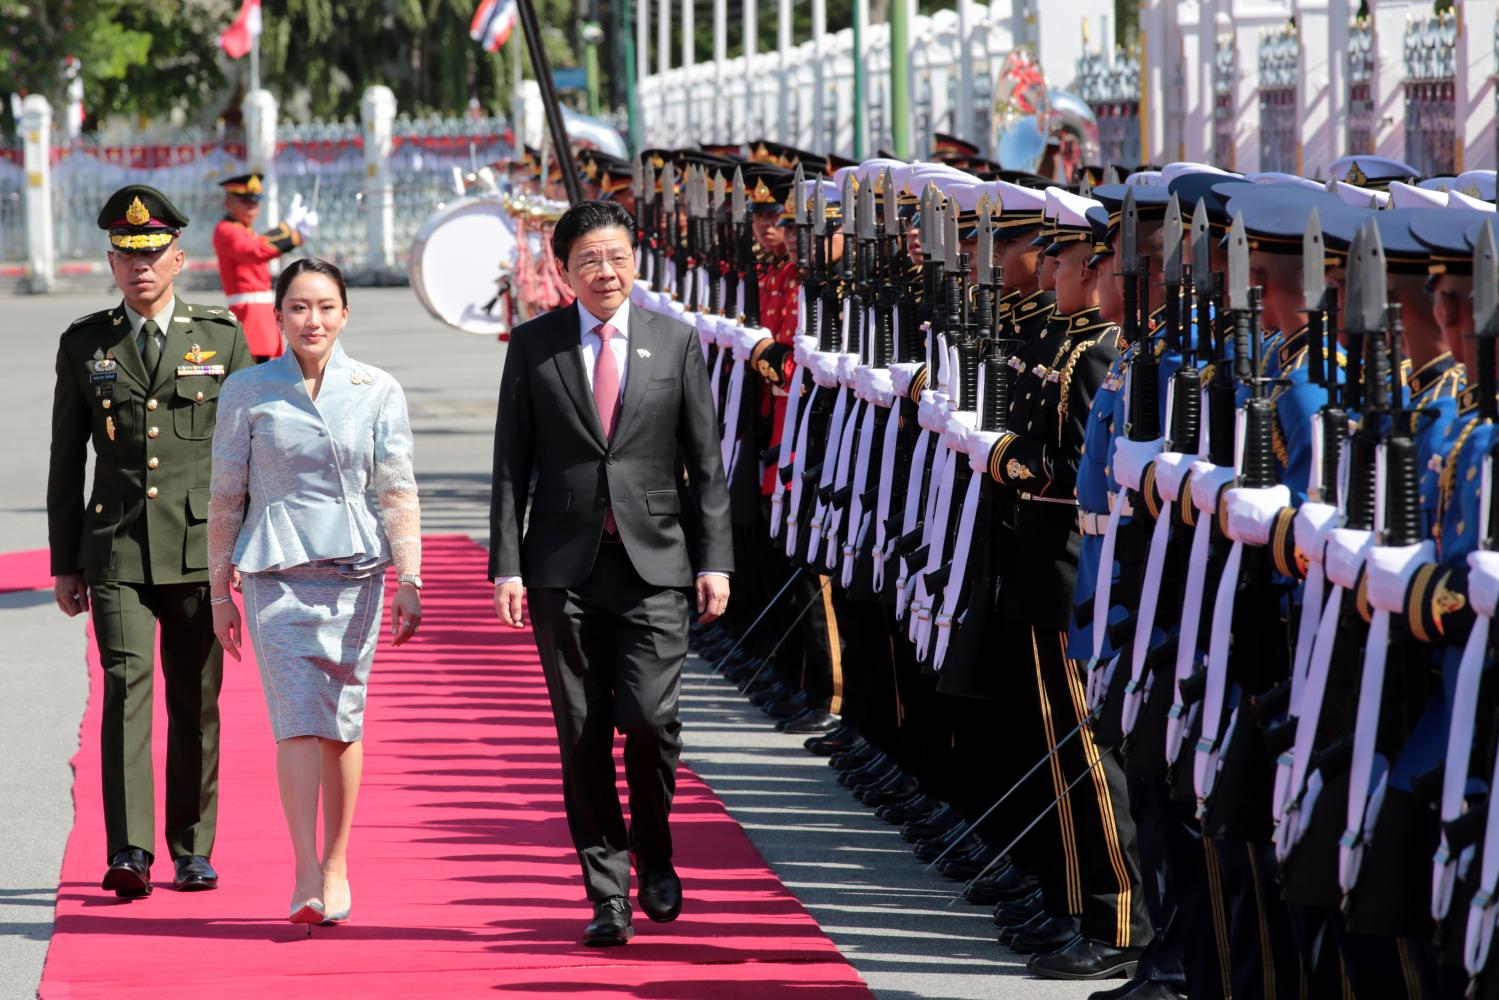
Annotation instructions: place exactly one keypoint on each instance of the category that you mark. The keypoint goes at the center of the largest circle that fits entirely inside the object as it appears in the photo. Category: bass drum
(462, 260)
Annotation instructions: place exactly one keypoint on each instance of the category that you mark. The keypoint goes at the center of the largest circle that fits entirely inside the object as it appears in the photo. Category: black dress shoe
(1018, 911)
(902, 788)
(1003, 884)
(194, 874)
(129, 874)
(932, 848)
(935, 825)
(967, 866)
(909, 810)
(893, 775)
(1007, 932)
(815, 721)
(660, 893)
(611, 924)
(1086, 959)
(1139, 989)
(874, 769)
(852, 760)
(838, 741)
(1049, 934)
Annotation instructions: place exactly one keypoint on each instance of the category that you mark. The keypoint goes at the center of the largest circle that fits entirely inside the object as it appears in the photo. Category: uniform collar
(338, 363)
(1428, 375)
(163, 316)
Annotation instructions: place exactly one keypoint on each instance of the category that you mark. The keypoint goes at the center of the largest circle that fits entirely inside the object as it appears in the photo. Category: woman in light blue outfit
(313, 497)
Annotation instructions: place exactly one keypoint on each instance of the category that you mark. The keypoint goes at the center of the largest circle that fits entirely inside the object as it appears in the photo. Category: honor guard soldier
(244, 257)
(141, 383)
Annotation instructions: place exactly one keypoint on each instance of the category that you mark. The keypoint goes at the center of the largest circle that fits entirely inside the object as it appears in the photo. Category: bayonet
(1314, 291)
(799, 198)
(1202, 262)
(1172, 234)
(669, 192)
(819, 210)
(1129, 237)
(891, 210)
(738, 203)
(950, 235)
(985, 250)
(1238, 265)
(1486, 316)
(864, 220)
(1367, 294)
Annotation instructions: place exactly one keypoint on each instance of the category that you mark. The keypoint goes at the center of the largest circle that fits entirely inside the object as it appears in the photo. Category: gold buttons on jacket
(153, 463)
(199, 397)
(151, 493)
(98, 508)
(107, 403)
(154, 432)
(152, 404)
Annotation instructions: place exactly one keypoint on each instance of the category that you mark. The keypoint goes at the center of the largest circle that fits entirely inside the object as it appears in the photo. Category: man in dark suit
(608, 406)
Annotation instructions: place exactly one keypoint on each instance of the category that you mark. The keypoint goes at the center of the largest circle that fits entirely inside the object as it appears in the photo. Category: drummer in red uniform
(244, 255)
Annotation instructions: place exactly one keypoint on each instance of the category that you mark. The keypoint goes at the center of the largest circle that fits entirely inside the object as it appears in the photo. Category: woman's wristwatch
(415, 579)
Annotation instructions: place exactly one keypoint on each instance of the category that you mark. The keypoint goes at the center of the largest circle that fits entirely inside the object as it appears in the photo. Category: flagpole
(255, 61)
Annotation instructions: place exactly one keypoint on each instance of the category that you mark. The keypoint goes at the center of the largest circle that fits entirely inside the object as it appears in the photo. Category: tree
(142, 57)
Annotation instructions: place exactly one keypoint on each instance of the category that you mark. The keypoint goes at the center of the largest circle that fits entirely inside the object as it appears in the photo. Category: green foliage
(144, 57)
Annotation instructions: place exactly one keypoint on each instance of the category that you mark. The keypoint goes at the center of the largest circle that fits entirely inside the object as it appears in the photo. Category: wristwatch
(414, 579)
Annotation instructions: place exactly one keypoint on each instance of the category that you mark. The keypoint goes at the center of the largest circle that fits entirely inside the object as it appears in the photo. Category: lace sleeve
(395, 482)
(229, 484)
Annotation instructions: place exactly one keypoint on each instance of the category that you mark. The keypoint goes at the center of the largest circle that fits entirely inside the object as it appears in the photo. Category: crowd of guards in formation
(1131, 543)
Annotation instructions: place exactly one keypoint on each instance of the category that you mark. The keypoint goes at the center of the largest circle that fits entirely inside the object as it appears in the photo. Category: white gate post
(1473, 75)
(36, 133)
(259, 110)
(377, 112)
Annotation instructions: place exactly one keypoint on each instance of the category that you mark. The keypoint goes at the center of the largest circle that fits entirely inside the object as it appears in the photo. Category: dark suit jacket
(548, 424)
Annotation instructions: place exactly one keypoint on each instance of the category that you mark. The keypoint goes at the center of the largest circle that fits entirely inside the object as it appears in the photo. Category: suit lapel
(643, 349)
(179, 333)
(123, 347)
(569, 361)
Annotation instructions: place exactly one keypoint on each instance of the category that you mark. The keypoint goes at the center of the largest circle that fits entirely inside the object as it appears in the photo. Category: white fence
(411, 170)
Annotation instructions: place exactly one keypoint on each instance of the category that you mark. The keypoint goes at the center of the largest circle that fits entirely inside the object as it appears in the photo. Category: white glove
(1251, 513)
(1344, 555)
(979, 445)
(1131, 458)
(959, 424)
(1171, 467)
(301, 218)
(1390, 570)
(1313, 522)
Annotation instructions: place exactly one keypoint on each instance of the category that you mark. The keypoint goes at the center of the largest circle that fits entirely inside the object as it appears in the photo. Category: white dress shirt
(590, 343)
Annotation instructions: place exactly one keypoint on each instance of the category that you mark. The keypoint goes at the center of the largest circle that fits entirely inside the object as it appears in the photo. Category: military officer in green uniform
(141, 382)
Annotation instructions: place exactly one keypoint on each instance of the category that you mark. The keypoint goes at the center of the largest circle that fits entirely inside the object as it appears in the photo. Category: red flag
(239, 37)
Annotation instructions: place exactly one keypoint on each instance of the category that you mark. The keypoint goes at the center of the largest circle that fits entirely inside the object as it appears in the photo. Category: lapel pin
(642, 352)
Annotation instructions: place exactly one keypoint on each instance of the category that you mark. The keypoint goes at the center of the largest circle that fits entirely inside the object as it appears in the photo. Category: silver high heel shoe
(309, 912)
(342, 917)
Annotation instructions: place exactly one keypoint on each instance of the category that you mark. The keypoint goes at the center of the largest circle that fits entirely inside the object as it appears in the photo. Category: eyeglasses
(593, 265)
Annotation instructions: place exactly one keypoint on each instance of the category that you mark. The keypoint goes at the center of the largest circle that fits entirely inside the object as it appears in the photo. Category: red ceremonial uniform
(244, 272)
(778, 313)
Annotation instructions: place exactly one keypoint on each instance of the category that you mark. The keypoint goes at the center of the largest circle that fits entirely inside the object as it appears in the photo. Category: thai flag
(492, 23)
(239, 37)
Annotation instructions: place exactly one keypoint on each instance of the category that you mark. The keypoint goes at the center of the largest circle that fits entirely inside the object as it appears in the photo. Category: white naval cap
(1364, 168)
(1182, 168)
(832, 190)
(1280, 177)
(1360, 197)
(1443, 183)
(1403, 195)
(1146, 178)
(1476, 183)
(1070, 210)
(1456, 199)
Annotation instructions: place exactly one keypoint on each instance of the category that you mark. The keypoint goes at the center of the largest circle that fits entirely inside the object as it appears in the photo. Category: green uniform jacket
(147, 518)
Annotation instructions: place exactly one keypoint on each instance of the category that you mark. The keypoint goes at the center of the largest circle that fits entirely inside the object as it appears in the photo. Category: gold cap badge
(136, 214)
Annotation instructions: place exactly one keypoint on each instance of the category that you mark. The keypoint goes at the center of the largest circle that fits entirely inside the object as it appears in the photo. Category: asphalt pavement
(852, 871)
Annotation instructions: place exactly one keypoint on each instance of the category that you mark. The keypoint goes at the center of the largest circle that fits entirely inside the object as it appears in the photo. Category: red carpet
(25, 571)
(464, 881)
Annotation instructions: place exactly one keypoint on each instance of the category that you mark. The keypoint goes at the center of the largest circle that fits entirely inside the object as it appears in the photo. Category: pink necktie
(606, 395)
